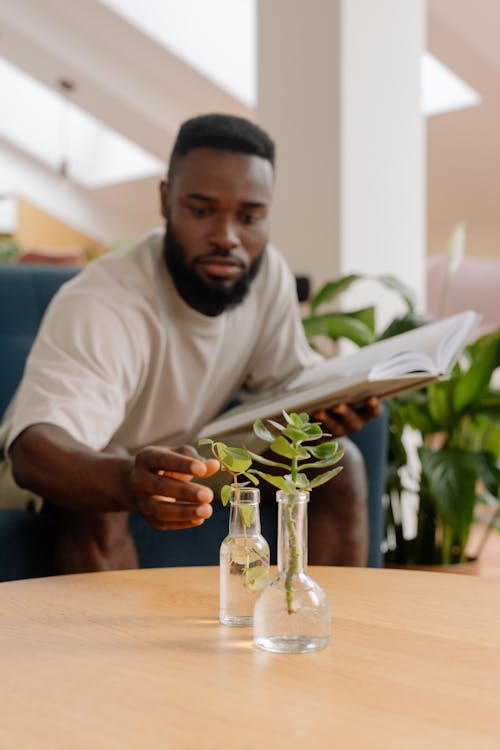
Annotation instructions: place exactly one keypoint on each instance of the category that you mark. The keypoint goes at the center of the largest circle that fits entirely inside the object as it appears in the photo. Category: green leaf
(301, 480)
(225, 494)
(282, 447)
(449, 480)
(473, 385)
(280, 482)
(365, 315)
(258, 576)
(489, 471)
(278, 426)
(235, 459)
(261, 431)
(205, 441)
(289, 419)
(268, 461)
(313, 431)
(297, 436)
(438, 404)
(333, 288)
(321, 463)
(404, 291)
(325, 450)
(250, 476)
(337, 325)
(247, 513)
(322, 478)
(406, 322)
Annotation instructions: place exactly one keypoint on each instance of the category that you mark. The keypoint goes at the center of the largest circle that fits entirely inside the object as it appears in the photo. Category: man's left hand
(343, 419)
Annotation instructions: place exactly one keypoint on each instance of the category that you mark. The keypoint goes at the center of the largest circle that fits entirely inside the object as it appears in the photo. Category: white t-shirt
(120, 356)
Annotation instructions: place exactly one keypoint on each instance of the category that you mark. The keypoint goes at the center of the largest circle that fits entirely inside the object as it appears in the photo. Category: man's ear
(164, 198)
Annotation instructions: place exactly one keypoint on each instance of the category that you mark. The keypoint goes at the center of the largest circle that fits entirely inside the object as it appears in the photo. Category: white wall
(339, 89)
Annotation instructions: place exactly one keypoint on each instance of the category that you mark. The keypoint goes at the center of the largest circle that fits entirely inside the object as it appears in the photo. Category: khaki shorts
(13, 496)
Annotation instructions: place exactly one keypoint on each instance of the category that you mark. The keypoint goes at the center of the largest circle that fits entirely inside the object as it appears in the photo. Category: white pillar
(339, 90)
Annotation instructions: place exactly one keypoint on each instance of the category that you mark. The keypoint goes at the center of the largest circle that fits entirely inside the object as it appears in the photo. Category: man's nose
(224, 233)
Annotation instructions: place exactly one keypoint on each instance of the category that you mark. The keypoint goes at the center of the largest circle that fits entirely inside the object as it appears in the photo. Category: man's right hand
(162, 490)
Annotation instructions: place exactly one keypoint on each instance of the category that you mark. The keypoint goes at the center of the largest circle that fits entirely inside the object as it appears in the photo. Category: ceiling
(136, 86)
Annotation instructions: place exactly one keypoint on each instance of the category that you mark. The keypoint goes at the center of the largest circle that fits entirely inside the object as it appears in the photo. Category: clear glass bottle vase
(244, 559)
(291, 614)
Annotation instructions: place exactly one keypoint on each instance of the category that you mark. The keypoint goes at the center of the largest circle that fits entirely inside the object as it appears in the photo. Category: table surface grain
(137, 659)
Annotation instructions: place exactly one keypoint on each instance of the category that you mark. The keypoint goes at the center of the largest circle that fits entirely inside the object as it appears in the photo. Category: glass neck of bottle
(244, 518)
(292, 531)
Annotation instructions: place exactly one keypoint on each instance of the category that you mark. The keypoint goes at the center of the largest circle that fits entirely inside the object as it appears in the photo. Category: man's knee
(352, 480)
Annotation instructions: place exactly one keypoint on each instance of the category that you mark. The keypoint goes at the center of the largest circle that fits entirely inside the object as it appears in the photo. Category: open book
(383, 369)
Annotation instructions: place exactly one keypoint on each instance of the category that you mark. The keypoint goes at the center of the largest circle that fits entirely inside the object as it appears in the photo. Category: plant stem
(293, 555)
(292, 540)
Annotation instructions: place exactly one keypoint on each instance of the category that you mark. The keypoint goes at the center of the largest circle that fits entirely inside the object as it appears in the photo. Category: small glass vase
(291, 614)
(244, 559)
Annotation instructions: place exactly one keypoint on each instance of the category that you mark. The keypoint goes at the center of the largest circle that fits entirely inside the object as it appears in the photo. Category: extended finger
(156, 459)
(164, 511)
(148, 484)
(173, 525)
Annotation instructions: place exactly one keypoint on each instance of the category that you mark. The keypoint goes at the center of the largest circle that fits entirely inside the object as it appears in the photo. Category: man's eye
(198, 211)
(250, 218)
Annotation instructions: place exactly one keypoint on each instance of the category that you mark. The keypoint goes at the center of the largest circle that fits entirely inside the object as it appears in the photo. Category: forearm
(50, 463)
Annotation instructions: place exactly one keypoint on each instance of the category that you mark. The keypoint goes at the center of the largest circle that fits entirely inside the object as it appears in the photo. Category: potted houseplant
(455, 422)
(457, 427)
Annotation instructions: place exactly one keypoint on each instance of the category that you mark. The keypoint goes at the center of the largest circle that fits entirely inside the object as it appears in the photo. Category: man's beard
(207, 299)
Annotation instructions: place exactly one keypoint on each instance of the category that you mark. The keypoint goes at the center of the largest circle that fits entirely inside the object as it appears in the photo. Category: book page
(383, 369)
(428, 349)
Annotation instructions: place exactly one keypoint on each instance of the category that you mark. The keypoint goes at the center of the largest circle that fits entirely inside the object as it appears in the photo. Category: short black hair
(225, 132)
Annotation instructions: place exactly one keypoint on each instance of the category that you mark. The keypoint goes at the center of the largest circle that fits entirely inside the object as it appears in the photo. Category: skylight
(216, 37)
(442, 90)
(198, 33)
(96, 155)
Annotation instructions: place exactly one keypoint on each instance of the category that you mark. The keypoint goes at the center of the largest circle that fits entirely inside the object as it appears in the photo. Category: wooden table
(137, 659)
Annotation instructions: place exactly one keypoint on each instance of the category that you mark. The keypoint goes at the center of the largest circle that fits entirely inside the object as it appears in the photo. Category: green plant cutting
(237, 462)
(291, 441)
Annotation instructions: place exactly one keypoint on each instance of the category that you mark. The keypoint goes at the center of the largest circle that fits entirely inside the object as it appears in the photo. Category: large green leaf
(405, 323)
(438, 401)
(236, 459)
(324, 450)
(247, 513)
(322, 478)
(392, 282)
(449, 476)
(261, 431)
(268, 461)
(473, 385)
(332, 289)
(225, 493)
(489, 471)
(313, 431)
(282, 447)
(479, 432)
(280, 482)
(336, 325)
(297, 436)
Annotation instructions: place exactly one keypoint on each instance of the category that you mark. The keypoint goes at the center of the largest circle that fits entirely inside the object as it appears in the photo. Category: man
(150, 342)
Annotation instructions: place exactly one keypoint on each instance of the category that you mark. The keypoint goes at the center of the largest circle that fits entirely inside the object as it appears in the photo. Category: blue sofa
(26, 538)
